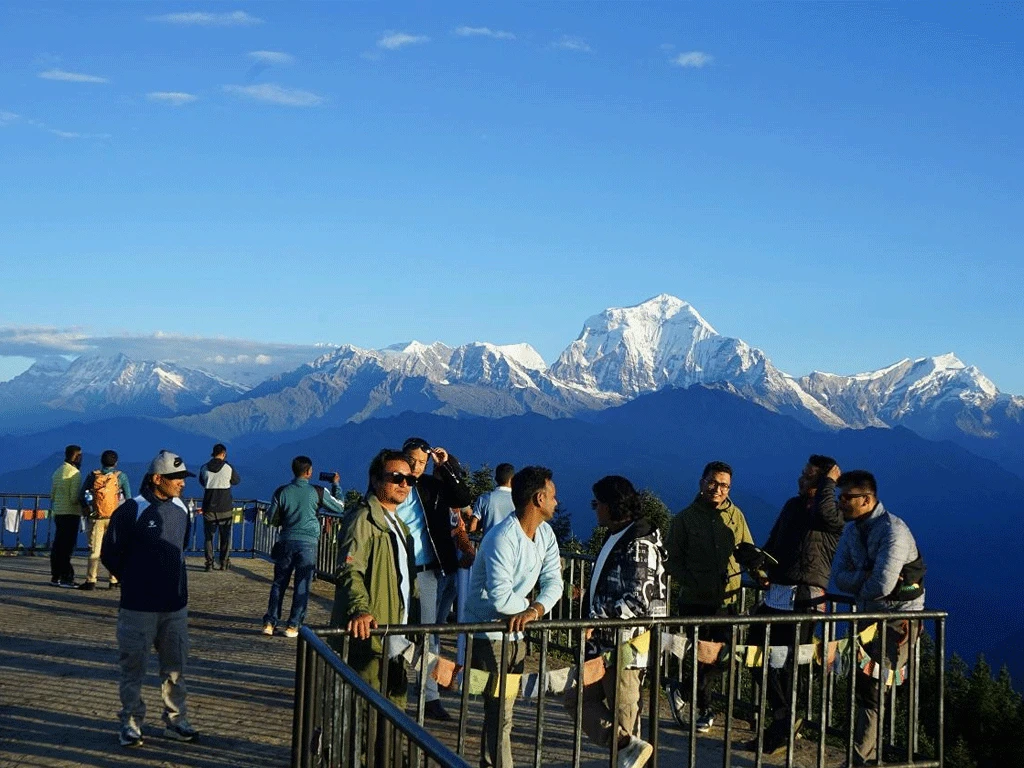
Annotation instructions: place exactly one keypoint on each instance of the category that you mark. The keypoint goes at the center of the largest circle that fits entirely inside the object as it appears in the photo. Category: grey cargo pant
(137, 632)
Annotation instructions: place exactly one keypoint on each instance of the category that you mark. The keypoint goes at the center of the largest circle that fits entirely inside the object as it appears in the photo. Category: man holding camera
(293, 507)
(427, 512)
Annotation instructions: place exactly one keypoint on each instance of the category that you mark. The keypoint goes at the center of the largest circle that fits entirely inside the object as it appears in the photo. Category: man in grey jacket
(878, 563)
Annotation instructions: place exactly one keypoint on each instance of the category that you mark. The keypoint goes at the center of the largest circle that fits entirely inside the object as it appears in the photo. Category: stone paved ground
(58, 682)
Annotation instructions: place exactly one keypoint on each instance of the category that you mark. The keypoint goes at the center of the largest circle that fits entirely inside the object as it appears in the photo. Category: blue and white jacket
(144, 547)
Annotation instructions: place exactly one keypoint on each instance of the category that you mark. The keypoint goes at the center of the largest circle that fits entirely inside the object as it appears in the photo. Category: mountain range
(620, 354)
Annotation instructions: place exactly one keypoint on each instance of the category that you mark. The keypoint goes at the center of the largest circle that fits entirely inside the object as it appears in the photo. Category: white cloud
(395, 40)
(572, 43)
(272, 57)
(275, 94)
(201, 19)
(497, 34)
(6, 118)
(177, 98)
(77, 135)
(71, 77)
(692, 59)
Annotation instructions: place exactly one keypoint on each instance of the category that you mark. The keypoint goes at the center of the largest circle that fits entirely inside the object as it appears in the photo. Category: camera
(327, 477)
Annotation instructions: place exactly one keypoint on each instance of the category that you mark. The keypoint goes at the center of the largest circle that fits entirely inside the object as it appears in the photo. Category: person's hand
(361, 625)
(440, 455)
(337, 478)
(762, 579)
(589, 633)
(834, 473)
(518, 622)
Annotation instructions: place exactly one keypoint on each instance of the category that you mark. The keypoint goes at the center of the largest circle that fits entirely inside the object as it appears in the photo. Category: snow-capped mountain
(54, 390)
(934, 396)
(664, 342)
(353, 384)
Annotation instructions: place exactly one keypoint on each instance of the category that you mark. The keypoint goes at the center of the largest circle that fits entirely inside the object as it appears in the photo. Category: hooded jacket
(700, 549)
(217, 477)
(871, 554)
(632, 583)
(367, 572)
(804, 538)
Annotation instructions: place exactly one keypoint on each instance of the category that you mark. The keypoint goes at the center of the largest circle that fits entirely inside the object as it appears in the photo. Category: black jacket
(217, 477)
(804, 538)
(440, 493)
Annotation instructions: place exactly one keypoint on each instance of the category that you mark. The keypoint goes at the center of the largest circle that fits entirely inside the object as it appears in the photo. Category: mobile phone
(327, 477)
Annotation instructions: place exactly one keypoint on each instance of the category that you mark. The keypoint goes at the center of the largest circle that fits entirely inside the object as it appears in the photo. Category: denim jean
(300, 557)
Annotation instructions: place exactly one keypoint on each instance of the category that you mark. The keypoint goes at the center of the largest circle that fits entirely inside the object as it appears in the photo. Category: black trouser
(707, 674)
(65, 537)
(779, 681)
(209, 528)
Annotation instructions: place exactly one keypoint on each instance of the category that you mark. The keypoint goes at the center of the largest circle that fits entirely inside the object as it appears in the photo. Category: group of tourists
(405, 557)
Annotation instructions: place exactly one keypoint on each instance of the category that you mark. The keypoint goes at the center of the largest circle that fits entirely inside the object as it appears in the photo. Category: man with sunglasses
(294, 507)
(376, 576)
(878, 563)
(701, 545)
(427, 512)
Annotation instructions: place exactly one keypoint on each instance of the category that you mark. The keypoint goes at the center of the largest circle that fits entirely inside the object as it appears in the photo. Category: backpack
(106, 493)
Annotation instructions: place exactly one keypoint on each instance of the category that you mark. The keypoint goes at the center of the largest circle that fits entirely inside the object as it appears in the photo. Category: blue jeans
(300, 557)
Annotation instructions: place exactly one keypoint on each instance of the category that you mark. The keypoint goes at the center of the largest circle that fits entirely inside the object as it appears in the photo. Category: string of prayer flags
(444, 672)
(558, 679)
(674, 644)
(530, 688)
(593, 670)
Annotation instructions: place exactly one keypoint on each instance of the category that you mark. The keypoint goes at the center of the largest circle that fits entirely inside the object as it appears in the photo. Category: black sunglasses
(397, 478)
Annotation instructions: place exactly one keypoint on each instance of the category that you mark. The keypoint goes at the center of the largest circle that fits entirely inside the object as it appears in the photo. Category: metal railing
(341, 720)
(30, 514)
(828, 703)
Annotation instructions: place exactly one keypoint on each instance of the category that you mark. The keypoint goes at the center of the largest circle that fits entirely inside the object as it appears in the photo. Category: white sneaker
(292, 632)
(268, 629)
(131, 734)
(706, 721)
(179, 729)
(635, 754)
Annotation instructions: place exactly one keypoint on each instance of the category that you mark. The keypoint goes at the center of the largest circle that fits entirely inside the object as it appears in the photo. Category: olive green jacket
(367, 575)
(700, 547)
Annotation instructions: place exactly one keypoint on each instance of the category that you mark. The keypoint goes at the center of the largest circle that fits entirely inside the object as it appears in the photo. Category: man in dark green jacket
(376, 576)
(700, 547)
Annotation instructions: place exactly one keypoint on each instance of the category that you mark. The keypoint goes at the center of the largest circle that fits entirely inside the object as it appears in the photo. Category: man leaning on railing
(514, 557)
(878, 562)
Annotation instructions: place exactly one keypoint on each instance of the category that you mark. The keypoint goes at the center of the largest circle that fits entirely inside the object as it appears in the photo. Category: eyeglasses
(398, 478)
(712, 485)
(852, 496)
(416, 444)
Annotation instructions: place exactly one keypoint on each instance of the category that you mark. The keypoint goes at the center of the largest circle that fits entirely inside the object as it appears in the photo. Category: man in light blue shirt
(519, 554)
(491, 508)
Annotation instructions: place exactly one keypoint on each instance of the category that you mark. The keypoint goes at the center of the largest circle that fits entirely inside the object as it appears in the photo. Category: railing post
(940, 675)
(301, 655)
(654, 662)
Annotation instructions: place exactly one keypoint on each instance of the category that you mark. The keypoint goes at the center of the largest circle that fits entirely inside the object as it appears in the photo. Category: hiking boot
(291, 632)
(436, 711)
(635, 754)
(179, 729)
(705, 721)
(87, 585)
(131, 734)
(268, 629)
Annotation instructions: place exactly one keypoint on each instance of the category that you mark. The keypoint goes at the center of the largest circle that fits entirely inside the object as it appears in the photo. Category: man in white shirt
(516, 556)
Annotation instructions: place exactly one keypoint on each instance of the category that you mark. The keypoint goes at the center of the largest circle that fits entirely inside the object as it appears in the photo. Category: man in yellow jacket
(67, 516)
(701, 546)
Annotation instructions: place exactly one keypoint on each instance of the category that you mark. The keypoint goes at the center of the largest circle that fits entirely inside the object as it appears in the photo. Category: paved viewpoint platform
(58, 672)
(58, 682)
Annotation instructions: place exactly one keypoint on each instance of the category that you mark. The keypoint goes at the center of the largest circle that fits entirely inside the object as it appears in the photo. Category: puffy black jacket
(804, 538)
(441, 492)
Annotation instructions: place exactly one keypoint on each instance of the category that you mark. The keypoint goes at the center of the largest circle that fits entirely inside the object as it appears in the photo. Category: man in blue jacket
(144, 548)
(294, 507)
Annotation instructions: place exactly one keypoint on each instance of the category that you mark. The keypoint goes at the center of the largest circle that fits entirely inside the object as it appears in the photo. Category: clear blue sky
(838, 184)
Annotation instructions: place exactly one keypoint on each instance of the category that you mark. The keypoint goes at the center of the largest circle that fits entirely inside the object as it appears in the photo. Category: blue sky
(838, 184)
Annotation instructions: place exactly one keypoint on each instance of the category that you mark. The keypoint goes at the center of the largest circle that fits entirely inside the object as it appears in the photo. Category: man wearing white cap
(144, 548)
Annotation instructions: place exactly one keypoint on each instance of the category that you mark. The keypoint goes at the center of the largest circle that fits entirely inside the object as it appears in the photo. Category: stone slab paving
(58, 682)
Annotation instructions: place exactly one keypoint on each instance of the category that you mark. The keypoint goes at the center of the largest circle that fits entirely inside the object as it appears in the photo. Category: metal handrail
(658, 670)
(325, 728)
